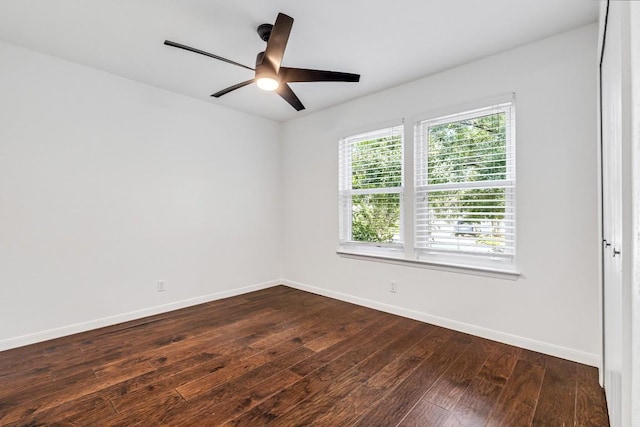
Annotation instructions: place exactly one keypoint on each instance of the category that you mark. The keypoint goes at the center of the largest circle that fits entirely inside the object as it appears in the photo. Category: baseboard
(515, 340)
(539, 346)
(23, 340)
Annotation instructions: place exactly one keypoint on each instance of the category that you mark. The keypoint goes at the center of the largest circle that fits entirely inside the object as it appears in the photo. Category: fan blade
(278, 40)
(290, 75)
(202, 52)
(232, 88)
(287, 94)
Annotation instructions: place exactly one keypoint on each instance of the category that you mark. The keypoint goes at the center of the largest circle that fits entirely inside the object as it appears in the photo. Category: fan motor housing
(264, 31)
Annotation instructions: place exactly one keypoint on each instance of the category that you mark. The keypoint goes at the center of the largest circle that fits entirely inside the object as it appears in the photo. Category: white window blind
(465, 184)
(371, 188)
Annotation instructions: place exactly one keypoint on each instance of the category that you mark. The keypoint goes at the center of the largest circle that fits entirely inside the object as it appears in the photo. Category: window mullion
(408, 205)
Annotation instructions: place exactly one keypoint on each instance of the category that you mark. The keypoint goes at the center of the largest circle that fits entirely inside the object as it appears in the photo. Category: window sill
(497, 273)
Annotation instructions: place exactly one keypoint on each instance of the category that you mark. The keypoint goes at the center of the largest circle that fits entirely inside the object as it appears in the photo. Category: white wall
(554, 306)
(108, 185)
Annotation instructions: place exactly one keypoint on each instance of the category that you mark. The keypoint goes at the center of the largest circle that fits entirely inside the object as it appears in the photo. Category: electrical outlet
(161, 287)
(394, 287)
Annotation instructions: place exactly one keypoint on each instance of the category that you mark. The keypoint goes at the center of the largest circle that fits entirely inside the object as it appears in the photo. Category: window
(371, 190)
(465, 185)
(460, 195)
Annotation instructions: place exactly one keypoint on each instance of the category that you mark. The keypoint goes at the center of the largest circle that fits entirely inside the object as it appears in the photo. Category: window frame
(345, 205)
(508, 184)
(410, 255)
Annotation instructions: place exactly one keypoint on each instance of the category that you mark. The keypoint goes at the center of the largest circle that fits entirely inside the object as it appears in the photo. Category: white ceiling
(387, 42)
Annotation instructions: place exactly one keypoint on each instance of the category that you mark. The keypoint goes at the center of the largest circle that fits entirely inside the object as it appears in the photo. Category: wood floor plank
(557, 402)
(69, 345)
(361, 338)
(425, 414)
(234, 350)
(186, 372)
(396, 371)
(402, 399)
(475, 404)
(500, 364)
(84, 411)
(281, 356)
(448, 389)
(25, 383)
(58, 394)
(243, 400)
(334, 361)
(591, 406)
(127, 349)
(232, 370)
(517, 403)
(142, 411)
(339, 403)
(144, 387)
(401, 356)
(222, 340)
(306, 412)
(534, 357)
(248, 377)
(150, 412)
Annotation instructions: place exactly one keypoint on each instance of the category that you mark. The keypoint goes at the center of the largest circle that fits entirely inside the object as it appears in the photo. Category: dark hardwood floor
(290, 358)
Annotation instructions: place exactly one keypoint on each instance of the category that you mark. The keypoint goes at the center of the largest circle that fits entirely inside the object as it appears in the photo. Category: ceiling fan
(269, 74)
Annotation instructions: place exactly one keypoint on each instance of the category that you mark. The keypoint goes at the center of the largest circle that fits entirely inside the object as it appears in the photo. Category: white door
(611, 78)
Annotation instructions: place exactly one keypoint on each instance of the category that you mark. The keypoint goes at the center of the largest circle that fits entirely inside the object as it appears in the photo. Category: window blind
(465, 183)
(371, 187)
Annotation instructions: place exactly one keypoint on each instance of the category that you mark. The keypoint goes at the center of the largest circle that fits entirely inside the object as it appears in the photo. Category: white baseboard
(539, 346)
(23, 340)
(515, 340)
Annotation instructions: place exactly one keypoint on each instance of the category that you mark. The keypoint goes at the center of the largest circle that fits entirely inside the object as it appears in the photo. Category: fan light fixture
(267, 83)
(266, 74)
